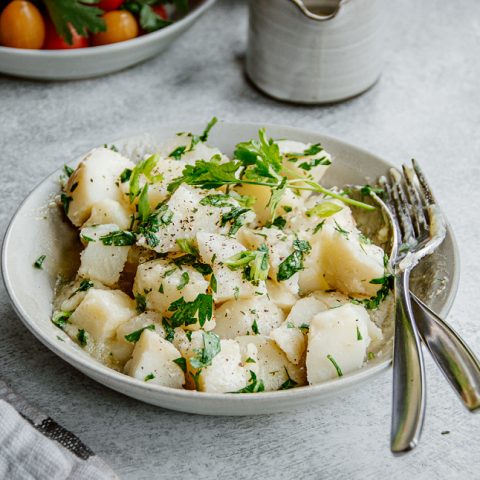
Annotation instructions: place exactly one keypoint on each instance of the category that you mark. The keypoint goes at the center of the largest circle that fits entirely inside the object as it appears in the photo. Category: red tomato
(107, 5)
(160, 11)
(53, 41)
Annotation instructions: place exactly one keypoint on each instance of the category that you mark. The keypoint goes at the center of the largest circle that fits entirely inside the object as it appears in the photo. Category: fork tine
(402, 208)
(417, 210)
(427, 192)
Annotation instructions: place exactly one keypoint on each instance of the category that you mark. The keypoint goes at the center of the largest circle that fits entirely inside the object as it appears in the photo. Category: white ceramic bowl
(94, 61)
(39, 227)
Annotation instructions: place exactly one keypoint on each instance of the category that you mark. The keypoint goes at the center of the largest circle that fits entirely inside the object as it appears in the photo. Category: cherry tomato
(108, 5)
(22, 26)
(121, 26)
(160, 11)
(53, 41)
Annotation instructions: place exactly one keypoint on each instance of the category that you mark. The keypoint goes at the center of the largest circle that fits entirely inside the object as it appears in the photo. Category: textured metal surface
(425, 106)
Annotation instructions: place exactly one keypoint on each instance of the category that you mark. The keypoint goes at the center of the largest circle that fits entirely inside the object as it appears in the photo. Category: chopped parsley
(387, 284)
(236, 217)
(213, 283)
(359, 334)
(39, 262)
(294, 262)
(125, 175)
(118, 238)
(141, 302)
(87, 239)
(60, 318)
(188, 313)
(318, 227)
(211, 347)
(255, 327)
(366, 190)
(288, 383)
(149, 377)
(340, 230)
(68, 170)
(187, 245)
(335, 364)
(371, 355)
(82, 337)
(84, 286)
(254, 385)
(314, 163)
(160, 217)
(217, 200)
(309, 151)
(323, 210)
(145, 168)
(253, 262)
(170, 333)
(182, 363)
(184, 279)
(250, 360)
(65, 199)
(135, 336)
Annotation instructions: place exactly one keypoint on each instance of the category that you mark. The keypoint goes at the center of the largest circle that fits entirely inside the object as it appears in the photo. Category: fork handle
(408, 407)
(452, 355)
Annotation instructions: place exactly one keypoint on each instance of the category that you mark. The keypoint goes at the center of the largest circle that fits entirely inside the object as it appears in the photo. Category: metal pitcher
(315, 51)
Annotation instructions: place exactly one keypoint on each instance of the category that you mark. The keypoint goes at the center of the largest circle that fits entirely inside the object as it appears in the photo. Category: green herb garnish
(253, 262)
(253, 386)
(82, 337)
(188, 313)
(323, 210)
(211, 348)
(182, 363)
(335, 364)
(118, 238)
(184, 279)
(135, 336)
(294, 262)
(141, 302)
(289, 383)
(149, 377)
(39, 262)
(60, 318)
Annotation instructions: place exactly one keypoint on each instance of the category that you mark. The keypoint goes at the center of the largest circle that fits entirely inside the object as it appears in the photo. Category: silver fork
(412, 208)
(419, 229)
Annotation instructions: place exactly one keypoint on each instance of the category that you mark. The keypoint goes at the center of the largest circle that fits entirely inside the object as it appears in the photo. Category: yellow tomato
(121, 26)
(22, 26)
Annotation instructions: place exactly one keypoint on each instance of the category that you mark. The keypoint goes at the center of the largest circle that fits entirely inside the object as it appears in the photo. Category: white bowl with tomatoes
(75, 39)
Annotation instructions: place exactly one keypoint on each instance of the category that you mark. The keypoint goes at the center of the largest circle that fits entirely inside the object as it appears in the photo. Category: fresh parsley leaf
(182, 363)
(289, 383)
(178, 152)
(217, 200)
(65, 199)
(60, 318)
(323, 210)
(236, 217)
(82, 337)
(250, 360)
(359, 334)
(335, 364)
(318, 227)
(145, 168)
(279, 223)
(253, 262)
(255, 327)
(213, 283)
(188, 313)
(125, 175)
(149, 377)
(160, 217)
(68, 170)
(206, 132)
(84, 286)
(307, 166)
(143, 205)
(192, 260)
(253, 386)
(39, 262)
(187, 245)
(135, 336)
(309, 151)
(79, 14)
(387, 285)
(168, 330)
(211, 348)
(184, 279)
(276, 196)
(141, 302)
(118, 238)
(294, 262)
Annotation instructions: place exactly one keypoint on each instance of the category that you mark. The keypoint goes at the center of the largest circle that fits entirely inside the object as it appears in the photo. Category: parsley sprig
(188, 313)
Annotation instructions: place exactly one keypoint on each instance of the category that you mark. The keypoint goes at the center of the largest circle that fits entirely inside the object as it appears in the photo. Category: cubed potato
(109, 211)
(123, 348)
(101, 312)
(161, 283)
(153, 361)
(273, 367)
(337, 338)
(214, 249)
(280, 246)
(290, 336)
(95, 179)
(281, 295)
(247, 317)
(226, 373)
(99, 261)
(350, 265)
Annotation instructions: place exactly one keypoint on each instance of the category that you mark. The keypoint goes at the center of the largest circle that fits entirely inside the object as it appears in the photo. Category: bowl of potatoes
(224, 270)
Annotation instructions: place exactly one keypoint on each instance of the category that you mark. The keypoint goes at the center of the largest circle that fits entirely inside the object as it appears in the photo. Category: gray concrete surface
(427, 105)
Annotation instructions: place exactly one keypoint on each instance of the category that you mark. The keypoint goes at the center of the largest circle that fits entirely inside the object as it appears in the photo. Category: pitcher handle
(314, 16)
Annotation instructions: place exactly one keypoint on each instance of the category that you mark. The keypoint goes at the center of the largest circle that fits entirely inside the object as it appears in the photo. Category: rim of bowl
(98, 370)
(113, 47)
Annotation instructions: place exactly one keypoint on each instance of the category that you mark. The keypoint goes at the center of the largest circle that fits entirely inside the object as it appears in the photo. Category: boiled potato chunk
(337, 338)
(226, 373)
(95, 179)
(153, 361)
(214, 249)
(272, 367)
(109, 211)
(161, 283)
(281, 295)
(290, 335)
(70, 297)
(98, 261)
(349, 264)
(101, 312)
(247, 317)
(123, 348)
